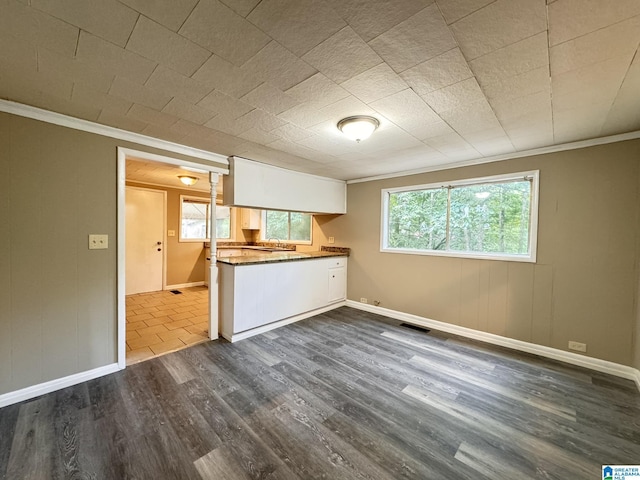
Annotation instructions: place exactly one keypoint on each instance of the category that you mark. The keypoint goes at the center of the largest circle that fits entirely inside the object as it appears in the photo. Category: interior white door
(144, 254)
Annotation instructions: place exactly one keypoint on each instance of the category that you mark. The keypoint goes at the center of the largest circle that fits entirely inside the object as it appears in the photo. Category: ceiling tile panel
(493, 146)
(616, 40)
(597, 83)
(290, 132)
(67, 107)
(580, 123)
(108, 19)
(499, 24)
(513, 108)
(35, 84)
(228, 124)
(376, 83)
(345, 108)
(136, 93)
(87, 95)
(170, 14)
(407, 110)
(304, 115)
(453, 146)
(113, 119)
(174, 84)
(462, 93)
(151, 116)
(36, 27)
(298, 25)
(226, 77)
(423, 36)
(569, 19)
(514, 59)
(508, 88)
(441, 71)
(454, 10)
(269, 98)
(156, 131)
(624, 115)
(61, 66)
(471, 118)
(370, 18)
(263, 120)
(155, 42)
(278, 66)
(224, 105)
(112, 60)
(24, 56)
(241, 7)
(318, 90)
(222, 31)
(342, 56)
(258, 135)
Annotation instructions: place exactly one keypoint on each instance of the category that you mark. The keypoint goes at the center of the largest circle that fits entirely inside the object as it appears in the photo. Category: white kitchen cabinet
(258, 297)
(250, 218)
(337, 280)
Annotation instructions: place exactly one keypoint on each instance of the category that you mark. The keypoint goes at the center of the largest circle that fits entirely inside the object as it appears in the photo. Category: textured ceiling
(165, 175)
(450, 80)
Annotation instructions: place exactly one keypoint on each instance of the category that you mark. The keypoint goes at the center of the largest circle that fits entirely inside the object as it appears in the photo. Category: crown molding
(47, 116)
(507, 156)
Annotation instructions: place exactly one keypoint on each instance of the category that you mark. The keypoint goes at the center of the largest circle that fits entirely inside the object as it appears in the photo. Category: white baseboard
(57, 384)
(604, 366)
(184, 285)
(234, 337)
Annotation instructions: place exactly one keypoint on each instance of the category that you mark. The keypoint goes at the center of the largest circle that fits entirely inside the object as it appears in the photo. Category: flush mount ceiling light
(188, 180)
(359, 127)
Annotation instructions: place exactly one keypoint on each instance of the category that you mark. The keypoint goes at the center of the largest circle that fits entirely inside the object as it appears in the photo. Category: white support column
(213, 274)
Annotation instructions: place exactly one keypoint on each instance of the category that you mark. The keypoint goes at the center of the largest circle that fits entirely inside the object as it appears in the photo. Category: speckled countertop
(274, 257)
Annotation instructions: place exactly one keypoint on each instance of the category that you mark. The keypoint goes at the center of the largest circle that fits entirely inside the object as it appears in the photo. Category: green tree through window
(287, 226)
(486, 218)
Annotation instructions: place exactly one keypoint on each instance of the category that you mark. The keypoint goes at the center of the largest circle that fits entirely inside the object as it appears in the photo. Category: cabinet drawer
(337, 262)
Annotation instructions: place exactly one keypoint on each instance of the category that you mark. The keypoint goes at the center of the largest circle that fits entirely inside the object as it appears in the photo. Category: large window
(195, 216)
(292, 227)
(491, 217)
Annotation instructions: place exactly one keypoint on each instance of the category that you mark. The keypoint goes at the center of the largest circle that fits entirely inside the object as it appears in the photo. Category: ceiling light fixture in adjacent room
(188, 180)
(359, 127)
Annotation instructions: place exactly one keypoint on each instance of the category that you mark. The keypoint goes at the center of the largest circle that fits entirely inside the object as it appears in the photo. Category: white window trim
(232, 222)
(263, 231)
(530, 257)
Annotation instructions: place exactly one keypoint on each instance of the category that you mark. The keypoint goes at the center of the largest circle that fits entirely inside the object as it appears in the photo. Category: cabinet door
(250, 218)
(337, 284)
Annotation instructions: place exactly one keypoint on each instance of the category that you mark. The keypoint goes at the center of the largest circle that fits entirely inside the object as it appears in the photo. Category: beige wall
(57, 298)
(583, 287)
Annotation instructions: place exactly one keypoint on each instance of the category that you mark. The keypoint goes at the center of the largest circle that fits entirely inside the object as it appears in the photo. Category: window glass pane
(418, 219)
(300, 226)
(490, 218)
(194, 220)
(277, 225)
(223, 222)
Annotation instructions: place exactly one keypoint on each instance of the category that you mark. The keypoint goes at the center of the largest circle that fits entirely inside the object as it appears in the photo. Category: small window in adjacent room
(194, 220)
(491, 217)
(294, 227)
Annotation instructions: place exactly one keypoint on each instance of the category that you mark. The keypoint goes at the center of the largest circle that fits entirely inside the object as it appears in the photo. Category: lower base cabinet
(252, 296)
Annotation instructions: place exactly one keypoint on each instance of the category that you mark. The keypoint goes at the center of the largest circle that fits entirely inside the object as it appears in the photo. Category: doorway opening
(166, 300)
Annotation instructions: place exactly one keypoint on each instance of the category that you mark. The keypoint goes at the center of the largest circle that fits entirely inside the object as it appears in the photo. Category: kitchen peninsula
(265, 290)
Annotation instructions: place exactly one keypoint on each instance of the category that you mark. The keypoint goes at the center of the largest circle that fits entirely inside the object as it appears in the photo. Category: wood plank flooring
(343, 395)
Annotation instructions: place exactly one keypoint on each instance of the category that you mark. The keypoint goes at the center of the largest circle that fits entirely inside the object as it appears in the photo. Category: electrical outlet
(171, 233)
(363, 300)
(332, 240)
(98, 242)
(577, 346)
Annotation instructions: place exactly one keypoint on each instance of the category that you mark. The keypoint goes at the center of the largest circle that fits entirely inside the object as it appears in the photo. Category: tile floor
(161, 322)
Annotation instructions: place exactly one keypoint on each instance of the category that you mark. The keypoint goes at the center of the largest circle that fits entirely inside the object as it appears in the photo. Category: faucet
(278, 244)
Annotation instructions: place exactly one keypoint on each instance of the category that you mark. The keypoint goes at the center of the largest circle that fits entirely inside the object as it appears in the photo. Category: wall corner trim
(51, 386)
(596, 364)
(47, 116)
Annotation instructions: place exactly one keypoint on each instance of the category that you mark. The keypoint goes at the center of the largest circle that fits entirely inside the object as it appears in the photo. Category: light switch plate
(332, 240)
(98, 242)
(171, 233)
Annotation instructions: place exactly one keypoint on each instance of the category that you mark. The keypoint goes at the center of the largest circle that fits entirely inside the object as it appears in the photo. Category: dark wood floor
(344, 395)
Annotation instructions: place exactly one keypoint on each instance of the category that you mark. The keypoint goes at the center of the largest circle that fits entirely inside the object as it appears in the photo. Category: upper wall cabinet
(258, 185)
